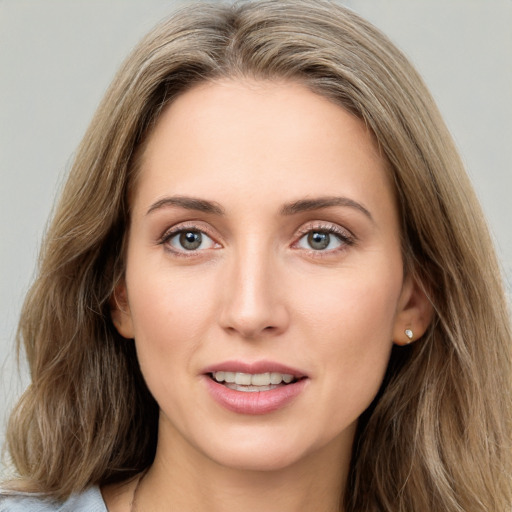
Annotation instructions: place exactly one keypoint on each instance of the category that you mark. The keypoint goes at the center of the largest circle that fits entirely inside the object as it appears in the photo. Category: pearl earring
(409, 334)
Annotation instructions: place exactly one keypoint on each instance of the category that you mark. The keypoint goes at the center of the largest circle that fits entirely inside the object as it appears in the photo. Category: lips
(254, 368)
(252, 382)
(253, 388)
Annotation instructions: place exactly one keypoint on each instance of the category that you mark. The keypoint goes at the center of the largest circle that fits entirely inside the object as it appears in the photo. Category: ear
(414, 312)
(120, 311)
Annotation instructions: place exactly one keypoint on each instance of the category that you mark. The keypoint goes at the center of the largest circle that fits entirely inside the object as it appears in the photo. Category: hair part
(438, 435)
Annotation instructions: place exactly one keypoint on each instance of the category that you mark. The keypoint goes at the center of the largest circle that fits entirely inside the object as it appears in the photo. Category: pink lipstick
(253, 388)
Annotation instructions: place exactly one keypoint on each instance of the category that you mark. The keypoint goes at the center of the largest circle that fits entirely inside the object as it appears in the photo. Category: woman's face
(264, 246)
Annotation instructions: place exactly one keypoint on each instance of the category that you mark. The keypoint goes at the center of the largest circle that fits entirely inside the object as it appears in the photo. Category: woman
(267, 285)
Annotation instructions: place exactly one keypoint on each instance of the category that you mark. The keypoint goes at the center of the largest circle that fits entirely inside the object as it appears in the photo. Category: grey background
(58, 56)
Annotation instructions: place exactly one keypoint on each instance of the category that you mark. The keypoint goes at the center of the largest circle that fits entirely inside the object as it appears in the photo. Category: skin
(256, 289)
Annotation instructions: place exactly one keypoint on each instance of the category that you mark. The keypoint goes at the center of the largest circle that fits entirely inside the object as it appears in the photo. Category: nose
(253, 302)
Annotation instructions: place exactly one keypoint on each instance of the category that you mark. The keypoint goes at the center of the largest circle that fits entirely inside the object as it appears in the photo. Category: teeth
(243, 379)
(228, 376)
(276, 378)
(250, 388)
(262, 379)
(257, 379)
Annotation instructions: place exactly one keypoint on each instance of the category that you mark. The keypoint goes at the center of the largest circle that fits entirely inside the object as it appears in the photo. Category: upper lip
(253, 368)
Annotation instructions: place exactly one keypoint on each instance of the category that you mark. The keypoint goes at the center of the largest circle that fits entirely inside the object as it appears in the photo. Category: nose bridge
(252, 305)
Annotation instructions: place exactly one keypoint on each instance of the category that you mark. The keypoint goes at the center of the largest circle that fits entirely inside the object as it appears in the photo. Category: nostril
(251, 318)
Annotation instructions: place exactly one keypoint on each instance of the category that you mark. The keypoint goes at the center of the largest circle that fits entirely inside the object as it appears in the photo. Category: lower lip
(254, 402)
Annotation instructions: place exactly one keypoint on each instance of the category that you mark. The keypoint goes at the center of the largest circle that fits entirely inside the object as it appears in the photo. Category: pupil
(318, 240)
(190, 240)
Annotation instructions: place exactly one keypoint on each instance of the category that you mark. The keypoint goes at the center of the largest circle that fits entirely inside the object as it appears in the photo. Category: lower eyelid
(209, 241)
(344, 237)
(340, 240)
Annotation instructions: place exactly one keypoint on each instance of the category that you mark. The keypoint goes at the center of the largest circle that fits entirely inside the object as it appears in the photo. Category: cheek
(359, 306)
(170, 313)
(351, 325)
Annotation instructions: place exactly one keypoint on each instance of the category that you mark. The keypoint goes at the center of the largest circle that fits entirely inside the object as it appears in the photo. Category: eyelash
(345, 238)
(183, 228)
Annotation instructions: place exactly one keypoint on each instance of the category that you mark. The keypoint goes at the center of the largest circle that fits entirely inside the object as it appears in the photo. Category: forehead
(251, 135)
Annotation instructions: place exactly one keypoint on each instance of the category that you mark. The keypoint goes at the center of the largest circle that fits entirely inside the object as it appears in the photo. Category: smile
(254, 388)
(252, 382)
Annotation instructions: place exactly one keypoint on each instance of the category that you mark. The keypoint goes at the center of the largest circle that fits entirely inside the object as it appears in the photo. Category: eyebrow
(305, 205)
(302, 205)
(189, 203)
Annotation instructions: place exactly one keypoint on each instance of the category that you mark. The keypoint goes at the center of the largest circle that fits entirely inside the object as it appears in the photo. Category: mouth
(254, 388)
(253, 382)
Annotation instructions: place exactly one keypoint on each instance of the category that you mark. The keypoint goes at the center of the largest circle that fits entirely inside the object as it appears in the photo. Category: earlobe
(120, 311)
(414, 313)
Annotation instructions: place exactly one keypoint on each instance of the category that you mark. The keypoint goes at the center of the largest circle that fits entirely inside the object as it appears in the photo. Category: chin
(259, 452)
(262, 460)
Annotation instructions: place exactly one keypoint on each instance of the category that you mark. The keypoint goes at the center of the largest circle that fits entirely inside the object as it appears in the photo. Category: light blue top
(87, 501)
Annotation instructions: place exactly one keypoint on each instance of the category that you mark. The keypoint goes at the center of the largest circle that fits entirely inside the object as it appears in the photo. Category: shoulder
(87, 501)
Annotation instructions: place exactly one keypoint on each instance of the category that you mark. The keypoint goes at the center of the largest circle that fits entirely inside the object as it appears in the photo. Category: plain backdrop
(58, 56)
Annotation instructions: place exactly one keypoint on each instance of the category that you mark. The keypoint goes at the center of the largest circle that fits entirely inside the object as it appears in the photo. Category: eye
(189, 240)
(319, 241)
(324, 239)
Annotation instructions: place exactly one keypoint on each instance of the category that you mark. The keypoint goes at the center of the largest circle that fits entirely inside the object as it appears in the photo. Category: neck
(185, 480)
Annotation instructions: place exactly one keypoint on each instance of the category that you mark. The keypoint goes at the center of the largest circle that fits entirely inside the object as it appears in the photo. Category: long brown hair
(438, 436)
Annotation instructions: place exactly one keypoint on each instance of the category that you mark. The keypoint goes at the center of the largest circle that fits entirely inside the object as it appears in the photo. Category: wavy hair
(438, 435)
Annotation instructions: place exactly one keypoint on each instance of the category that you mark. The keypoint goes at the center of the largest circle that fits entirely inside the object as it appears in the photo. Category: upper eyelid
(197, 225)
(183, 226)
(324, 226)
(166, 238)
(345, 235)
